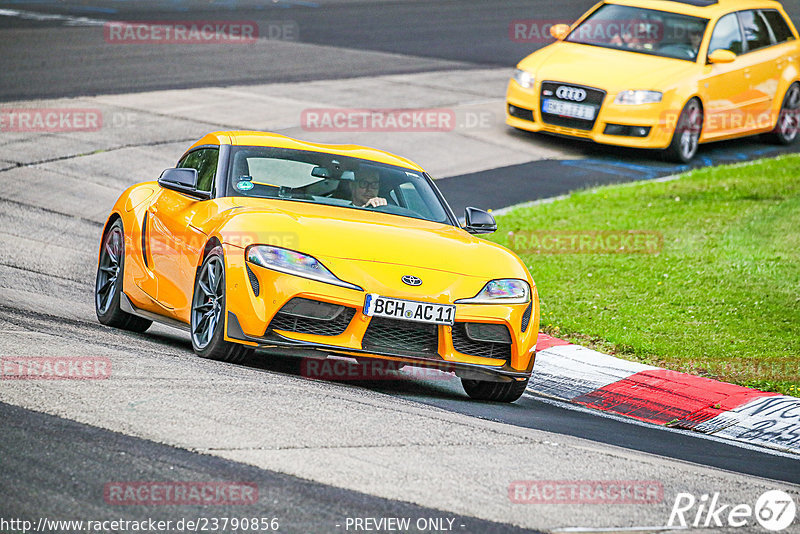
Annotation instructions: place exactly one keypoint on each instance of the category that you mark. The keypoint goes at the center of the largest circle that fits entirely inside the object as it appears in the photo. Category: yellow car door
(725, 84)
(175, 239)
(761, 70)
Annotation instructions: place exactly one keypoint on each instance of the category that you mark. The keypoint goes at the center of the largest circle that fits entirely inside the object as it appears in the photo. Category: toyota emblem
(575, 94)
(411, 280)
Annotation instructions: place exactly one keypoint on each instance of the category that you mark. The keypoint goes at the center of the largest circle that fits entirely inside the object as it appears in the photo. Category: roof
(251, 138)
(700, 8)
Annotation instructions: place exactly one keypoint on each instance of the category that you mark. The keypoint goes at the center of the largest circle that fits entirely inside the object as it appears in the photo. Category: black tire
(785, 132)
(685, 138)
(494, 391)
(108, 282)
(208, 307)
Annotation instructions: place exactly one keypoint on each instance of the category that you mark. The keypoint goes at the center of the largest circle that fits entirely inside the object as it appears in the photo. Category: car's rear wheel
(108, 283)
(788, 122)
(686, 136)
(208, 307)
(494, 391)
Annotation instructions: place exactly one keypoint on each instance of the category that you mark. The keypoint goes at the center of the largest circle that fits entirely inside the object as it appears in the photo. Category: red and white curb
(654, 395)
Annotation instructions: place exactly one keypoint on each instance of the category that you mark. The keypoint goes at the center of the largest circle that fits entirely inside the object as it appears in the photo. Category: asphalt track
(321, 451)
(78, 456)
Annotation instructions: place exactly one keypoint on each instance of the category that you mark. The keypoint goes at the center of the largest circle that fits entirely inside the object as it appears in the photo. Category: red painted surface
(545, 342)
(662, 396)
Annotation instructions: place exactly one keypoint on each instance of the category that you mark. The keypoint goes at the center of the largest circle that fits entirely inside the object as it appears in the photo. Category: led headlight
(505, 291)
(523, 78)
(638, 97)
(292, 262)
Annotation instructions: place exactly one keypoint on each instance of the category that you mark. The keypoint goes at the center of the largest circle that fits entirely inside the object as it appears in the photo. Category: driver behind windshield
(366, 185)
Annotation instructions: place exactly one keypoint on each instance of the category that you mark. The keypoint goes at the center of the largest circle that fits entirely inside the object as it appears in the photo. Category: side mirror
(182, 181)
(479, 222)
(559, 31)
(721, 55)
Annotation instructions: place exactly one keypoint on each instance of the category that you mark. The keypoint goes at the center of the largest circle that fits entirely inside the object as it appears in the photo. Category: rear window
(755, 29)
(780, 29)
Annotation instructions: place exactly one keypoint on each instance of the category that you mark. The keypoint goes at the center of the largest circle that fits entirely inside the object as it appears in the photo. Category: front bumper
(252, 318)
(659, 120)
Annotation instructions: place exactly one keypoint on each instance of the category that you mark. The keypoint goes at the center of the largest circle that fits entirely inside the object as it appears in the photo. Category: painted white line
(710, 437)
(42, 17)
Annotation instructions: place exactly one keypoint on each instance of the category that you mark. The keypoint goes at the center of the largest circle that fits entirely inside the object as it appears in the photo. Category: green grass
(722, 297)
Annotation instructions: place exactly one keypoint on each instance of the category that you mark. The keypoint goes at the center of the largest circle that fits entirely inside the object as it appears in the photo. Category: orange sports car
(259, 241)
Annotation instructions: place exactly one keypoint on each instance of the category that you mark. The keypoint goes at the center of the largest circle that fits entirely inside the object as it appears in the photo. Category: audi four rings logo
(571, 93)
(411, 280)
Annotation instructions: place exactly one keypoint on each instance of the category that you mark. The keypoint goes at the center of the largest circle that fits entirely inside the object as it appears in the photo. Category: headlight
(296, 263)
(506, 291)
(524, 78)
(638, 97)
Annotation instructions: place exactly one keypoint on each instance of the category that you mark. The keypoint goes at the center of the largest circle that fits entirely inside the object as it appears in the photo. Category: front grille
(463, 344)
(319, 326)
(401, 337)
(594, 98)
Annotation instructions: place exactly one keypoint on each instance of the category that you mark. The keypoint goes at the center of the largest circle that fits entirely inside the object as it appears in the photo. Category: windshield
(645, 31)
(298, 175)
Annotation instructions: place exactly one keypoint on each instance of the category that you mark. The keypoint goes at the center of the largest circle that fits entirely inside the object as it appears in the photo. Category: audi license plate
(568, 109)
(409, 310)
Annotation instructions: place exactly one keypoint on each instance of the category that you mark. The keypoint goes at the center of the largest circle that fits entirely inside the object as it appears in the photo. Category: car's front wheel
(108, 283)
(785, 131)
(686, 136)
(494, 391)
(208, 307)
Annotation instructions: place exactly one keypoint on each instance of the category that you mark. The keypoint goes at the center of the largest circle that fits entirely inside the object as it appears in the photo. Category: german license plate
(409, 310)
(568, 109)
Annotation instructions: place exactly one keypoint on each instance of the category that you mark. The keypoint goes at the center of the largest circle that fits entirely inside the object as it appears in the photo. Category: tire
(785, 132)
(686, 136)
(108, 283)
(208, 307)
(494, 391)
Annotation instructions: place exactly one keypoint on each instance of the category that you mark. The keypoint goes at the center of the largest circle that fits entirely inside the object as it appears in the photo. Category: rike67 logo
(774, 510)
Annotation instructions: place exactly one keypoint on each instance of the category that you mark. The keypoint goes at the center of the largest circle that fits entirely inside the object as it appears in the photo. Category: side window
(727, 35)
(780, 29)
(755, 29)
(205, 161)
(412, 199)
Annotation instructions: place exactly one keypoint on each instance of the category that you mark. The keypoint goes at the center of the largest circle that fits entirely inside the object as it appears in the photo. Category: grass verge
(716, 294)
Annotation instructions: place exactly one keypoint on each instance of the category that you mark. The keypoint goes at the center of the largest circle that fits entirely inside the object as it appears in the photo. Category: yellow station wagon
(664, 74)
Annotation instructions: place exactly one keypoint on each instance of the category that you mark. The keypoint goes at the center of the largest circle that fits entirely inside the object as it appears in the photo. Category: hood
(605, 68)
(349, 234)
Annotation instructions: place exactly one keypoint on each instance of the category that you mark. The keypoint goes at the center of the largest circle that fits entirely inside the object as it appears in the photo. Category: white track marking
(629, 420)
(44, 17)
